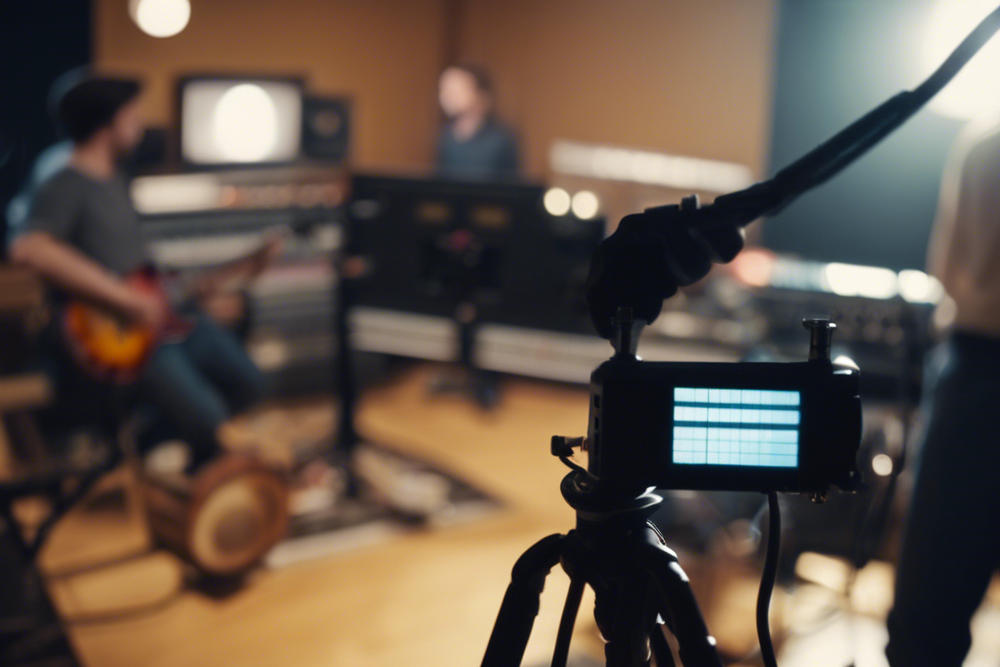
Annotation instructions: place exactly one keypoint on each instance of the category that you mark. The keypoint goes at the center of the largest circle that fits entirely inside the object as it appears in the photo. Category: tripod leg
(567, 622)
(520, 603)
(697, 646)
(624, 607)
(627, 642)
(661, 649)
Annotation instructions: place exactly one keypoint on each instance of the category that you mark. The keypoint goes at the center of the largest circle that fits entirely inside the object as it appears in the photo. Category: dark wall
(835, 60)
(39, 40)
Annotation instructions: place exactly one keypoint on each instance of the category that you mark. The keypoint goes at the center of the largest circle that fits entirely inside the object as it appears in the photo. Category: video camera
(792, 427)
(767, 427)
(771, 427)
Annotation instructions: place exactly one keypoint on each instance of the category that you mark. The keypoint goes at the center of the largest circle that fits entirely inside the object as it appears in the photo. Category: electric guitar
(109, 346)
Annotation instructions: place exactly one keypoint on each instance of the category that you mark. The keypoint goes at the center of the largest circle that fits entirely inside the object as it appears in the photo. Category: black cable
(63, 503)
(767, 580)
(816, 167)
(566, 622)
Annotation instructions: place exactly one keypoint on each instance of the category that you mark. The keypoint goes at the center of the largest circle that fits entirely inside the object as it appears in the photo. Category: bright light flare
(918, 287)
(585, 204)
(975, 91)
(754, 267)
(160, 18)
(556, 201)
(882, 465)
(873, 282)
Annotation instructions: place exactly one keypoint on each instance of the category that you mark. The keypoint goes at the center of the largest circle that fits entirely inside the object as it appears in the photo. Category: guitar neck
(229, 275)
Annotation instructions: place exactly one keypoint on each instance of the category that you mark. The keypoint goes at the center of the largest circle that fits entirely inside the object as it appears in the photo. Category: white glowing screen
(245, 124)
(736, 427)
(224, 121)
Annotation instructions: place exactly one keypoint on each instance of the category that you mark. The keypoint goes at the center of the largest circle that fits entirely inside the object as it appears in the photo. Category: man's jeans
(952, 542)
(198, 383)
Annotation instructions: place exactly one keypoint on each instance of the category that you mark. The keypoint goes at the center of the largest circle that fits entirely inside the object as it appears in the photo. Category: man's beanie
(83, 102)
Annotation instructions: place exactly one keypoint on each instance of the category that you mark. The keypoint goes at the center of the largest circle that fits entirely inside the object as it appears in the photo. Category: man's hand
(233, 276)
(147, 308)
(78, 274)
(272, 246)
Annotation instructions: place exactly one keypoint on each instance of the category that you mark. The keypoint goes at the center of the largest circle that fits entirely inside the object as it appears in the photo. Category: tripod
(614, 549)
(637, 581)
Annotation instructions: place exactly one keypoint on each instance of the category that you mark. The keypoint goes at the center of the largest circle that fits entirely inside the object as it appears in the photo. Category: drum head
(240, 511)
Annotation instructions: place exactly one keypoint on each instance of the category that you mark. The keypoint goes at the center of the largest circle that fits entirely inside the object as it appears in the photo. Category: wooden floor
(427, 598)
(430, 598)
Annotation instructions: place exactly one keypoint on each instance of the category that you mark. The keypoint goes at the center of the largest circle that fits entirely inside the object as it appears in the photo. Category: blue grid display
(744, 427)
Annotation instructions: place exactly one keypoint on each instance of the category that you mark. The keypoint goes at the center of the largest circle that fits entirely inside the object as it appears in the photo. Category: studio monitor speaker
(326, 128)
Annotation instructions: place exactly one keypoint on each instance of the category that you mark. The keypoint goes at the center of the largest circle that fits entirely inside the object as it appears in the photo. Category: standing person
(81, 234)
(951, 546)
(473, 143)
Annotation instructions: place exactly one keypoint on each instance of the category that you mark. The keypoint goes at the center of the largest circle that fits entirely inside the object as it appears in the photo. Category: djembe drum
(224, 519)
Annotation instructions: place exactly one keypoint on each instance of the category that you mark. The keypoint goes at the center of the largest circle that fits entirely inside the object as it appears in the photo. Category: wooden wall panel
(385, 53)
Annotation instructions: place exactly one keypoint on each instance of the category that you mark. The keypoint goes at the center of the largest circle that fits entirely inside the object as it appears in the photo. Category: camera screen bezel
(634, 401)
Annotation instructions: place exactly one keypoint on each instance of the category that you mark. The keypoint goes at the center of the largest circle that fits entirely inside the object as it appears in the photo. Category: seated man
(81, 233)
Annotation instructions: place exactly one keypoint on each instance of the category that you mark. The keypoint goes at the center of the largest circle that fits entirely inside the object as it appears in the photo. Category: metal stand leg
(347, 438)
(661, 649)
(568, 620)
(624, 614)
(636, 580)
(697, 646)
(520, 603)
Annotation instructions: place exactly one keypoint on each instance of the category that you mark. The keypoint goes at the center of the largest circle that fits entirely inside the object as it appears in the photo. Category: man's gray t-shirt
(96, 217)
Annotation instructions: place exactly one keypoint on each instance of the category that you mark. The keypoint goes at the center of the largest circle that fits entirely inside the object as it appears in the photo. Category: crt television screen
(233, 120)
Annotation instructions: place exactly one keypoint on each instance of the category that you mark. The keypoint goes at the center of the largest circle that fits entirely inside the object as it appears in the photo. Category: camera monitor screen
(240, 120)
(742, 426)
(736, 427)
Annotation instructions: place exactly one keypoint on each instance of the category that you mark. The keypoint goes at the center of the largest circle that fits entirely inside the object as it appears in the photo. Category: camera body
(791, 427)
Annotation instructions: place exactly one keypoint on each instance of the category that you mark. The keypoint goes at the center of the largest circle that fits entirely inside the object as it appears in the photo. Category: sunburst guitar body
(108, 346)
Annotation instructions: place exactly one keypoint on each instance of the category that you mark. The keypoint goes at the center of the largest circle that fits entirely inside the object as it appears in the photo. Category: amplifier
(326, 128)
